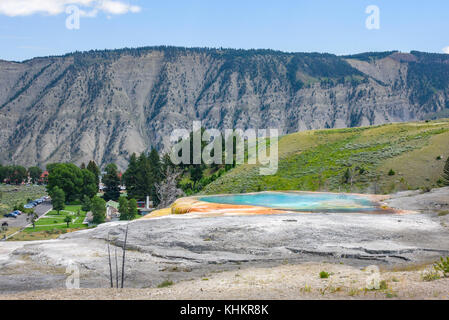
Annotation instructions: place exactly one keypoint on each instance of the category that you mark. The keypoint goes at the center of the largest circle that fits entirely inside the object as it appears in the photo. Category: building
(43, 178)
(145, 207)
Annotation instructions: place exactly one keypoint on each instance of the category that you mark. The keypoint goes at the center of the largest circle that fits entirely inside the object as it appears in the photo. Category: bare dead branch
(124, 253)
(167, 191)
(110, 265)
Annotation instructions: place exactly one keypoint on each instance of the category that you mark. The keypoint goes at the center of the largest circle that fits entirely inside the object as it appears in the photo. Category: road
(21, 221)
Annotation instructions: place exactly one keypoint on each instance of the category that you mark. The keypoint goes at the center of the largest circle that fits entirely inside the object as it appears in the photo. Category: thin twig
(110, 265)
(116, 268)
(123, 257)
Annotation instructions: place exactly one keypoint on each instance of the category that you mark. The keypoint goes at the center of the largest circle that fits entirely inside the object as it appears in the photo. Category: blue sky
(30, 28)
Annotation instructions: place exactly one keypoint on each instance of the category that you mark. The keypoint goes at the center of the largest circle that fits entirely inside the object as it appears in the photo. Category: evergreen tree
(86, 203)
(155, 164)
(92, 167)
(18, 174)
(156, 174)
(89, 187)
(123, 208)
(132, 209)
(35, 174)
(166, 165)
(446, 173)
(111, 182)
(144, 178)
(130, 176)
(98, 210)
(3, 173)
(196, 173)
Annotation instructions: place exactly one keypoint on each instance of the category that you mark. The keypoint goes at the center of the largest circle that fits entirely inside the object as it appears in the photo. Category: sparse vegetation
(165, 283)
(390, 294)
(12, 196)
(442, 266)
(353, 292)
(348, 160)
(306, 288)
(383, 285)
(443, 213)
(430, 276)
(446, 173)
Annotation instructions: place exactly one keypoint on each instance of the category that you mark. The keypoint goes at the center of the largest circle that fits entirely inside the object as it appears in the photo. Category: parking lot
(21, 220)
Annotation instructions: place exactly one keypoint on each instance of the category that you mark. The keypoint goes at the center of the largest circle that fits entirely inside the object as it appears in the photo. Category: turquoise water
(304, 201)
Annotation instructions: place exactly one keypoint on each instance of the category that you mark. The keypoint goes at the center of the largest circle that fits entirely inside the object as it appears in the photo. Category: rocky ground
(283, 252)
(281, 282)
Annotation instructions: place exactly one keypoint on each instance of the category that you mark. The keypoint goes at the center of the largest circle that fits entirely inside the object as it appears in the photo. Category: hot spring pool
(299, 201)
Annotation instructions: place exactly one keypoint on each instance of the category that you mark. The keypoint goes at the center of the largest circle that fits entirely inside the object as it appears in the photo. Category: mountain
(376, 159)
(105, 105)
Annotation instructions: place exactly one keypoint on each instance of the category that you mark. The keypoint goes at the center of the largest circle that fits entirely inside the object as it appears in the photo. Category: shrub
(442, 266)
(391, 172)
(390, 295)
(165, 283)
(430, 276)
(324, 275)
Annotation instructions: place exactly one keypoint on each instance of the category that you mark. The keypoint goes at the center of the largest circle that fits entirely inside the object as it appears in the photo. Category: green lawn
(54, 221)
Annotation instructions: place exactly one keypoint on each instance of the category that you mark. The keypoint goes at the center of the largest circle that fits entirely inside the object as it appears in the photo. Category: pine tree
(35, 174)
(86, 203)
(130, 176)
(144, 178)
(111, 182)
(98, 210)
(166, 164)
(123, 208)
(155, 164)
(156, 174)
(132, 209)
(92, 167)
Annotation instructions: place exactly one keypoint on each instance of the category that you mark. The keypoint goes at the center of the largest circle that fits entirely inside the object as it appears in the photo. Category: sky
(32, 28)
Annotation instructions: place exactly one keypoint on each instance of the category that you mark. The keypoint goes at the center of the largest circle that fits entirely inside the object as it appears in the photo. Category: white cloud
(117, 7)
(89, 8)
(446, 50)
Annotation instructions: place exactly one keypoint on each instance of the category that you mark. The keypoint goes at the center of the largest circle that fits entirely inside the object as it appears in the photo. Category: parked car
(17, 212)
(28, 206)
(10, 215)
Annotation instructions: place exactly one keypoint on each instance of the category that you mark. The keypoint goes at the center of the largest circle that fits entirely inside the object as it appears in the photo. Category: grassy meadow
(377, 159)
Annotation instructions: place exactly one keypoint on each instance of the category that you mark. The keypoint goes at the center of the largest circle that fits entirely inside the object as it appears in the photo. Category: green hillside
(378, 159)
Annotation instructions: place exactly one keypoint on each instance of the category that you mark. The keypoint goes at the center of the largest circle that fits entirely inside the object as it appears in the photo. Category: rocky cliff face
(105, 105)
